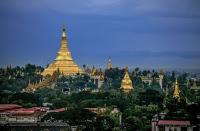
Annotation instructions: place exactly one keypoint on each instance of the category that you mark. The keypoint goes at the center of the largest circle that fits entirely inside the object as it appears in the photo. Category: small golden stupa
(126, 84)
(63, 62)
(176, 94)
(109, 64)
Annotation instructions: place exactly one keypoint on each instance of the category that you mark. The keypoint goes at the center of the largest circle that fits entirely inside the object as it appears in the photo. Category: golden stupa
(109, 64)
(126, 84)
(63, 62)
(176, 94)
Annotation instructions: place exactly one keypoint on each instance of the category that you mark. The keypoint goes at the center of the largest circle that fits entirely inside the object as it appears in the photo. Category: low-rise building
(39, 126)
(12, 113)
(172, 125)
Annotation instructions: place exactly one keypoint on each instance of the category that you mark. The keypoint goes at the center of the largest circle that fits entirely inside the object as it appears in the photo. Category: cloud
(153, 59)
(158, 54)
(153, 29)
(169, 8)
(164, 8)
(62, 6)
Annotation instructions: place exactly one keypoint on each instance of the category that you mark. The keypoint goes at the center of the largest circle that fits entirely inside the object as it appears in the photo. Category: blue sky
(137, 33)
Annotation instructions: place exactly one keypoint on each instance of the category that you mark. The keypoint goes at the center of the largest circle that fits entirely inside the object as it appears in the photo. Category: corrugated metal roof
(174, 122)
(4, 107)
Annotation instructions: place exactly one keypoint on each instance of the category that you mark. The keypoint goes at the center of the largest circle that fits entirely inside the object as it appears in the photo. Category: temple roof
(126, 84)
(64, 61)
(176, 90)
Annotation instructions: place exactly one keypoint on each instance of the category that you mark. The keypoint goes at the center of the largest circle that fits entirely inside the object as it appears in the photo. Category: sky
(135, 33)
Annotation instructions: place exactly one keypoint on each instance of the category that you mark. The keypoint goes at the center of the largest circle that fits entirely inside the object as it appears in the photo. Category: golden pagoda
(176, 94)
(109, 64)
(161, 75)
(63, 62)
(30, 87)
(126, 84)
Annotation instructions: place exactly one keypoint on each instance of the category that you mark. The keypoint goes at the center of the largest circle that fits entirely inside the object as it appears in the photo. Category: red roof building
(7, 107)
(13, 113)
(16, 113)
(171, 125)
(174, 123)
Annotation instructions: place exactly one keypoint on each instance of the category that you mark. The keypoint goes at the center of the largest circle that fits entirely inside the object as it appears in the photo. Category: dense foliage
(15, 79)
(137, 108)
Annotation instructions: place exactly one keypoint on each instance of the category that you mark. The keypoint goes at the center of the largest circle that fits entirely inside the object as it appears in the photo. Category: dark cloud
(135, 32)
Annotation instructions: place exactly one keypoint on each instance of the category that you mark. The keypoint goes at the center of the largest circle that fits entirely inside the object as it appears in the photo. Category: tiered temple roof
(126, 84)
(63, 62)
(176, 91)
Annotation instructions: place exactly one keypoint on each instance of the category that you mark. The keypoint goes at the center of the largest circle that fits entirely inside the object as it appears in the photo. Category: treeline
(15, 79)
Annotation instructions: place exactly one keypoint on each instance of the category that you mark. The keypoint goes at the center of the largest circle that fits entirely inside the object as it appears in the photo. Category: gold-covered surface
(126, 84)
(63, 62)
(109, 64)
(176, 91)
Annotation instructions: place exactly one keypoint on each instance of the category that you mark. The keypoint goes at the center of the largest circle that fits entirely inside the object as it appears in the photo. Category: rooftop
(4, 107)
(174, 122)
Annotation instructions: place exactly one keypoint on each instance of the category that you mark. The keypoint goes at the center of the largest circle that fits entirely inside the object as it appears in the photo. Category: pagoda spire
(64, 40)
(64, 31)
(29, 82)
(176, 94)
(64, 53)
(126, 84)
(109, 63)
(63, 61)
(161, 75)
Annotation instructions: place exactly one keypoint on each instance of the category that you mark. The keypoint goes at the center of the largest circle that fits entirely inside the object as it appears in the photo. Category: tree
(73, 116)
(133, 123)
(104, 123)
(150, 96)
(26, 98)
